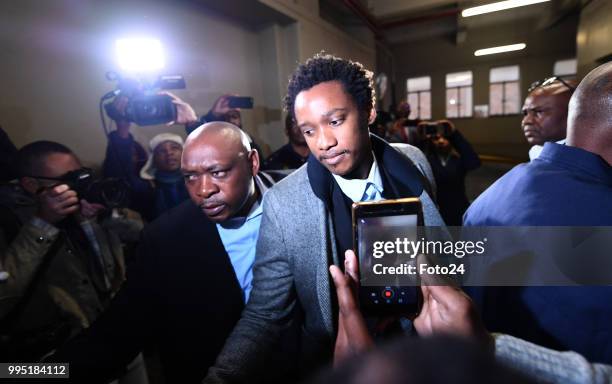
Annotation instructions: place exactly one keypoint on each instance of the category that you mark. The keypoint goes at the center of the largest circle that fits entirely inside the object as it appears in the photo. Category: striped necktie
(370, 193)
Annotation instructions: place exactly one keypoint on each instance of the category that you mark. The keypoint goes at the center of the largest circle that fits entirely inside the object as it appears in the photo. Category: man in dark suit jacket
(193, 273)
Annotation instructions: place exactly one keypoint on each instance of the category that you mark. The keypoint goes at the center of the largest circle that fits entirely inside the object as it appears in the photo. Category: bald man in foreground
(567, 185)
(193, 273)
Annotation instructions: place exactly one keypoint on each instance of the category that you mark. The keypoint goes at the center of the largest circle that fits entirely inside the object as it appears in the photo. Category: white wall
(287, 46)
(55, 53)
(316, 34)
(594, 38)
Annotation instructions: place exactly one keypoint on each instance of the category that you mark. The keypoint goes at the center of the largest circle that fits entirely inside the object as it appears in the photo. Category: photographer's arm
(21, 257)
(119, 153)
(185, 115)
(23, 254)
(119, 163)
(469, 157)
(218, 110)
(216, 113)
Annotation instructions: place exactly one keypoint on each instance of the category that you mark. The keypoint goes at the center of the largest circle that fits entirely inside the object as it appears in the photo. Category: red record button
(387, 293)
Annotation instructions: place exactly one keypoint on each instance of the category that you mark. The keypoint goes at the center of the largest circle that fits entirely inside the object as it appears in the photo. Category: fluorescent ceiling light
(499, 6)
(139, 54)
(503, 48)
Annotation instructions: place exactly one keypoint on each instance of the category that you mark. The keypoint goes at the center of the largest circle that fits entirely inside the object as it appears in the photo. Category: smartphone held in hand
(383, 236)
(240, 102)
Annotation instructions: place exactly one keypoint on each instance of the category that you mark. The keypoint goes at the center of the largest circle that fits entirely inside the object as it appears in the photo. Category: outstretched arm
(268, 311)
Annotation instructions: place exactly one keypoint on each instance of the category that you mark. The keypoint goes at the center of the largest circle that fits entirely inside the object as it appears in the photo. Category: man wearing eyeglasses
(61, 265)
(545, 113)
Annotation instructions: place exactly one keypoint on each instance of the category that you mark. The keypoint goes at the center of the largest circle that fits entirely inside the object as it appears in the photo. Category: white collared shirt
(356, 189)
(535, 150)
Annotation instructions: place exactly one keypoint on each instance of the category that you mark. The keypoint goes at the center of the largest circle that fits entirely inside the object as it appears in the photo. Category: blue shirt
(564, 186)
(536, 149)
(239, 237)
(369, 189)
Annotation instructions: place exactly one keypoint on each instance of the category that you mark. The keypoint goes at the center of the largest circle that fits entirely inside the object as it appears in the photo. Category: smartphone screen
(240, 102)
(383, 233)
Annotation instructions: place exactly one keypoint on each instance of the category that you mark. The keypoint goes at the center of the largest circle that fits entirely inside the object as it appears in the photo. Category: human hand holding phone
(381, 231)
(446, 310)
(353, 336)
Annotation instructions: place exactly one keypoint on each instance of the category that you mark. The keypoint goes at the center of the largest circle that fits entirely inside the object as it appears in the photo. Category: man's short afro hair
(355, 79)
(31, 157)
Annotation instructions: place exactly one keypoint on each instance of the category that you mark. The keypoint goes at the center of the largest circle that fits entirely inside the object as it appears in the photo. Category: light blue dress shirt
(239, 237)
(369, 189)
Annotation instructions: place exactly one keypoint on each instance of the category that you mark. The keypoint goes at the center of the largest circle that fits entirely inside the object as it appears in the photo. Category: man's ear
(372, 117)
(254, 160)
(29, 184)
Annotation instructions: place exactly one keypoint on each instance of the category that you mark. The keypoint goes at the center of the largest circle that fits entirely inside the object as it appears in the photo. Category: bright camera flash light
(500, 49)
(139, 54)
(499, 6)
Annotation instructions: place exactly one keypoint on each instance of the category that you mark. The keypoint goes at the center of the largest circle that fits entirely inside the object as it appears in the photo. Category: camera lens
(150, 109)
(109, 192)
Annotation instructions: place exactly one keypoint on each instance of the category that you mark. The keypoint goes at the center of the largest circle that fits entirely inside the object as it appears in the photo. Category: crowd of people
(239, 269)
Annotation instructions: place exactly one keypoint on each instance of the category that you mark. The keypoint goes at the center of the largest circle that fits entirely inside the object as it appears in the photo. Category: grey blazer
(296, 245)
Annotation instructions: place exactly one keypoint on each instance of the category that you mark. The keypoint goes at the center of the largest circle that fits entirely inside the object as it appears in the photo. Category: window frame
(565, 75)
(419, 93)
(460, 102)
(503, 93)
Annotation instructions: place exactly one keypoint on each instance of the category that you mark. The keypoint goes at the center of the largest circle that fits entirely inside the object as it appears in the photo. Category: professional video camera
(110, 192)
(144, 106)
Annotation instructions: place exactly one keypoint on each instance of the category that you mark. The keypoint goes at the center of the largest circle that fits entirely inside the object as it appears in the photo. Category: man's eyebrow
(331, 112)
(326, 115)
(541, 106)
(544, 104)
(188, 170)
(216, 167)
(195, 168)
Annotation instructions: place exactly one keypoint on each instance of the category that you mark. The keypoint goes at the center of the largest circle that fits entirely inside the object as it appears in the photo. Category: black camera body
(150, 110)
(144, 106)
(110, 192)
(436, 129)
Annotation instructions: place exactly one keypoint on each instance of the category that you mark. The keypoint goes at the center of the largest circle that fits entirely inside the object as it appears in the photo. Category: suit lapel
(205, 241)
(326, 254)
(397, 170)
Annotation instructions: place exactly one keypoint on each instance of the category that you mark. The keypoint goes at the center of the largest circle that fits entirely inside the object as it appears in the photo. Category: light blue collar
(256, 209)
(355, 188)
